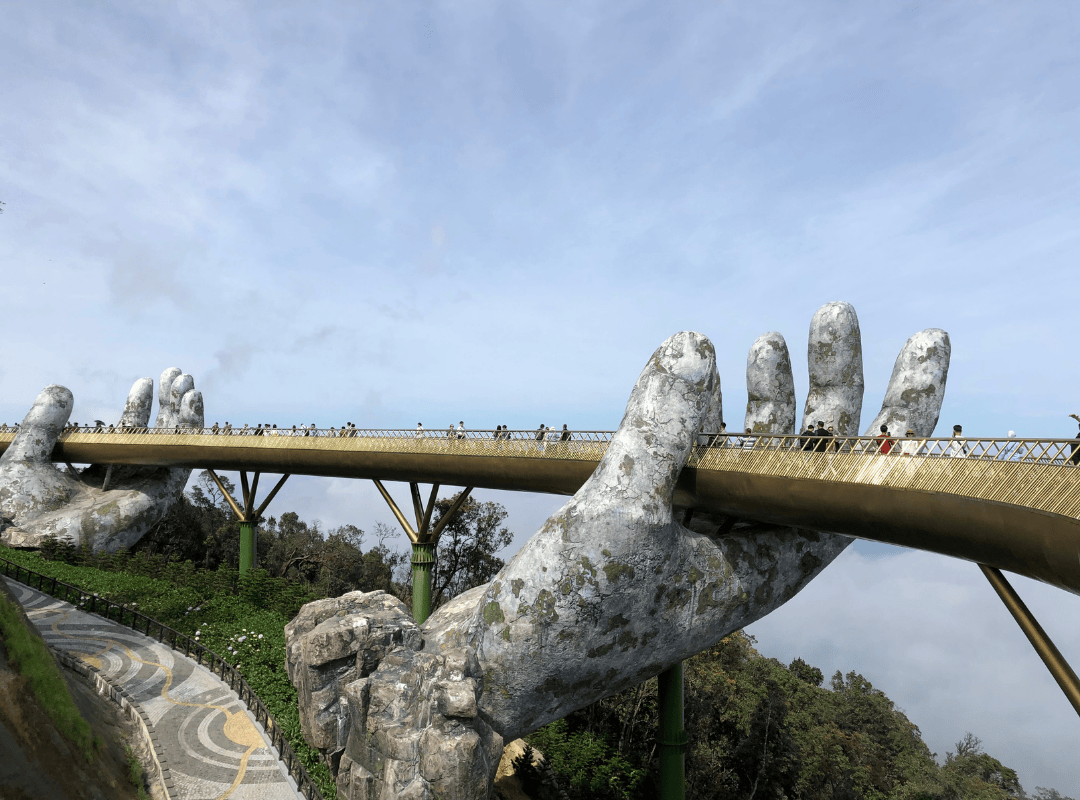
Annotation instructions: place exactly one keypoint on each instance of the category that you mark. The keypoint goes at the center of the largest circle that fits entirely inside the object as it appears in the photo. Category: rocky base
(392, 720)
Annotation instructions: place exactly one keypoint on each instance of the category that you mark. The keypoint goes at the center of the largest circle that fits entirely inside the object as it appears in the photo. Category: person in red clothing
(886, 444)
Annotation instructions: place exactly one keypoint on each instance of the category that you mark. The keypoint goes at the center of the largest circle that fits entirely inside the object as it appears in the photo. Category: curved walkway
(209, 745)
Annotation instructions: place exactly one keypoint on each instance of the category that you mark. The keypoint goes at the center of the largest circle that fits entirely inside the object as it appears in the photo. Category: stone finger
(137, 408)
(41, 427)
(834, 356)
(714, 415)
(166, 413)
(770, 388)
(917, 385)
(191, 409)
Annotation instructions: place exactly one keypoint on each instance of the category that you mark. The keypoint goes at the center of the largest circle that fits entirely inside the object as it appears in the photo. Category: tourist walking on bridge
(824, 441)
(909, 445)
(1074, 459)
(1012, 451)
(958, 447)
(885, 444)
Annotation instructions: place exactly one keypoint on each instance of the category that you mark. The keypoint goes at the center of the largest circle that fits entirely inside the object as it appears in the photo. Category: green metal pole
(672, 738)
(247, 546)
(423, 556)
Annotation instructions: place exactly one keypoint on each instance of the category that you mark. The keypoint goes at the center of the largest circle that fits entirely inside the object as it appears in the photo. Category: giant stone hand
(40, 501)
(612, 590)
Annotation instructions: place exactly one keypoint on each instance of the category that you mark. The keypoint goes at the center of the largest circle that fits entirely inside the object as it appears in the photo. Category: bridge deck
(1013, 504)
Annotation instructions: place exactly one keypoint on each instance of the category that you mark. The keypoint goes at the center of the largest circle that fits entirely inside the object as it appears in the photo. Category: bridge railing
(121, 614)
(591, 444)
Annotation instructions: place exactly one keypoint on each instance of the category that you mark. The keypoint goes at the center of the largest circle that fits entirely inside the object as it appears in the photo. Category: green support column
(672, 738)
(423, 556)
(247, 546)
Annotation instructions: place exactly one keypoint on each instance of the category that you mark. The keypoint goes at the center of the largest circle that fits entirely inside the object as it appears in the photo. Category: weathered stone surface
(331, 644)
(44, 501)
(714, 415)
(834, 355)
(917, 385)
(770, 388)
(415, 731)
(137, 408)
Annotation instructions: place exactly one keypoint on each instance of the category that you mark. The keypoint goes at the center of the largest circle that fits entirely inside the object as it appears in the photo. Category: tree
(1042, 793)
(466, 553)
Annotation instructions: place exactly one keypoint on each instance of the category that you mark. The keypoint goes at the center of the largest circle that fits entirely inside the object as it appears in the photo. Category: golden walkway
(1012, 504)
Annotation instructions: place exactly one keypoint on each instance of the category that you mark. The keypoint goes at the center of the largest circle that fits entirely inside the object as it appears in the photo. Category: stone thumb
(638, 473)
(41, 427)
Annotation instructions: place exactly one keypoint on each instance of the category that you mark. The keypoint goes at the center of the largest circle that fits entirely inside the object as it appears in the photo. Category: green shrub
(587, 765)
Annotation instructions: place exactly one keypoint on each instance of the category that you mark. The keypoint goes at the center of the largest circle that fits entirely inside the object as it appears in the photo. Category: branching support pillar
(424, 538)
(248, 515)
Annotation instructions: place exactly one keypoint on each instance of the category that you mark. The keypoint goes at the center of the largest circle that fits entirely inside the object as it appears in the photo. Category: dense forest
(757, 728)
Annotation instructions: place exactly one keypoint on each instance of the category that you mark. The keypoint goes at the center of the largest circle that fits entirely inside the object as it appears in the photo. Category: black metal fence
(180, 642)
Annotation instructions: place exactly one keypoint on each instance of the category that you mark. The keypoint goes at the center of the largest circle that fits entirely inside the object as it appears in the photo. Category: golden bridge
(1011, 504)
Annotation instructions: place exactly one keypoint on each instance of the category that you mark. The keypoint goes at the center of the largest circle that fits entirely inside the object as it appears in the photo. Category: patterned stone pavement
(209, 745)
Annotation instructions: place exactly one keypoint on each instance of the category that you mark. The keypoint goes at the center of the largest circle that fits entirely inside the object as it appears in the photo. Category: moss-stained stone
(602, 650)
(493, 613)
(916, 386)
(516, 586)
(618, 621)
(545, 608)
(616, 570)
(706, 598)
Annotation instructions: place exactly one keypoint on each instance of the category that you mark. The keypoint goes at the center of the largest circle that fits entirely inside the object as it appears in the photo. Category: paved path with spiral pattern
(208, 743)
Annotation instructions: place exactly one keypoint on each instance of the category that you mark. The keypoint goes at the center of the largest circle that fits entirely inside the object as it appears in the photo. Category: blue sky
(397, 212)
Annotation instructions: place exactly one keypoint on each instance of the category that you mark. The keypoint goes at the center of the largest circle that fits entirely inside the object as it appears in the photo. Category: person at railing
(958, 446)
(1012, 451)
(461, 430)
(419, 430)
(824, 441)
(721, 438)
(564, 438)
(809, 438)
(909, 445)
(214, 429)
(884, 442)
(1074, 459)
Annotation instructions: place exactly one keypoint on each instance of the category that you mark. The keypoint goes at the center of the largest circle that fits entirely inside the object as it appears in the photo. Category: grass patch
(30, 655)
(135, 773)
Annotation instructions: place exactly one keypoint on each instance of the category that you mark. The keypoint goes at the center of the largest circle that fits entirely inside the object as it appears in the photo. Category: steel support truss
(424, 538)
(247, 514)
